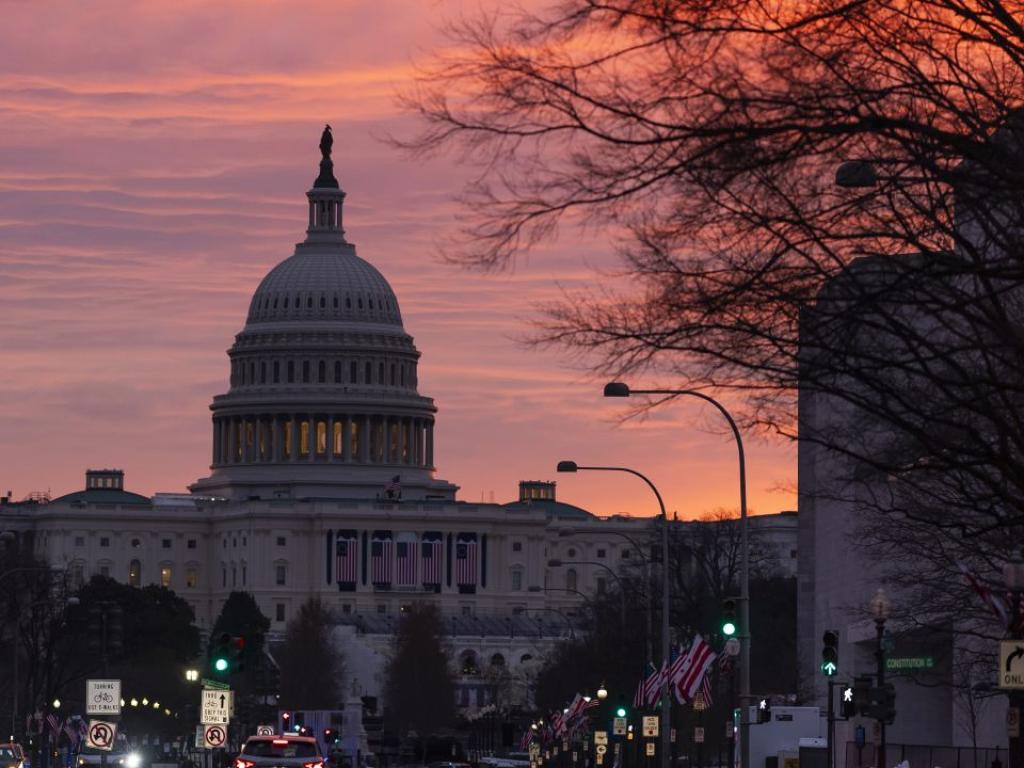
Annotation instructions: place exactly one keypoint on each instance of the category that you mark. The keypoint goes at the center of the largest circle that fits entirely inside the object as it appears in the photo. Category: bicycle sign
(101, 735)
(103, 697)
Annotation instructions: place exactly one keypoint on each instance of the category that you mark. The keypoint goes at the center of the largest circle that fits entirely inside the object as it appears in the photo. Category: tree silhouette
(419, 687)
(311, 666)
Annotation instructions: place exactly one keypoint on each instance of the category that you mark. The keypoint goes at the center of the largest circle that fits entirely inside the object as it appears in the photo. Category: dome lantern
(325, 198)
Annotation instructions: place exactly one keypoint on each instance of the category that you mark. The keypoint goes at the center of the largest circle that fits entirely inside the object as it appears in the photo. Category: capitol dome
(323, 399)
(324, 286)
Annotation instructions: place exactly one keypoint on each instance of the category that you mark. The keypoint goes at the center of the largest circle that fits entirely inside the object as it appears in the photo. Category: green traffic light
(620, 712)
(221, 665)
(829, 668)
(728, 629)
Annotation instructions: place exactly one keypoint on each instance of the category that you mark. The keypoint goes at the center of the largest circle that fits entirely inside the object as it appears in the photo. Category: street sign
(601, 738)
(650, 726)
(601, 749)
(650, 749)
(698, 735)
(619, 726)
(215, 684)
(214, 736)
(1011, 664)
(216, 707)
(264, 730)
(909, 663)
(103, 697)
(101, 735)
(732, 646)
(672, 735)
(599, 760)
(199, 736)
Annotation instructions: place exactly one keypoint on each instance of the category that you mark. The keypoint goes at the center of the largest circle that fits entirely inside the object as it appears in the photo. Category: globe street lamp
(619, 389)
(666, 701)
(602, 692)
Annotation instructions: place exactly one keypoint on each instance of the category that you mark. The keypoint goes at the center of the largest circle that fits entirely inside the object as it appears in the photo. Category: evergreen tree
(419, 687)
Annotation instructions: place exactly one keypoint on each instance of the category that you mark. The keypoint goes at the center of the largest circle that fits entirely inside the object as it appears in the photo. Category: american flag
(405, 558)
(54, 722)
(393, 490)
(380, 560)
(430, 555)
(706, 692)
(655, 685)
(345, 556)
(640, 697)
(996, 604)
(465, 563)
(71, 729)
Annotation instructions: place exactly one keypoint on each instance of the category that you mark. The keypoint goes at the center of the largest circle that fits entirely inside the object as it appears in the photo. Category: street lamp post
(648, 597)
(1013, 577)
(880, 610)
(556, 563)
(571, 466)
(619, 389)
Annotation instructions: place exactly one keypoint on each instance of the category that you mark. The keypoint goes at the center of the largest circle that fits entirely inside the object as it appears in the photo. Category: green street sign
(215, 684)
(909, 663)
(829, 668)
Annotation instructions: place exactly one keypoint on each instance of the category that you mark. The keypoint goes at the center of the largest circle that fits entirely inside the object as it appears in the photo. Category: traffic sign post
(101, 735)
(601, 738)
(264, 730)
(619, 726)
(1011, 664)
(698, 735)
(650, 726)
(216, 707)
(103, 697)
(214, 736)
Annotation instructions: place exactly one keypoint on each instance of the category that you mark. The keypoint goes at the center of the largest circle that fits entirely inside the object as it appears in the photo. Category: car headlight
(134, 760)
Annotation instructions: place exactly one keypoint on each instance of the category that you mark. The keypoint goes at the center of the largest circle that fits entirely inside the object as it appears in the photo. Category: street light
(880, 608)
(666, 701)
(566, 531)
(602, 692)
(619, 389)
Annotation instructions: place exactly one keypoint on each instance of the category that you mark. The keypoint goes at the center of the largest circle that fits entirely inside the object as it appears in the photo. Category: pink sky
(153, 164)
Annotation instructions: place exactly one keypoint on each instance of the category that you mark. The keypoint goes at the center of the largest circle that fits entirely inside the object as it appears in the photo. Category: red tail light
(240, 763)
(314, 764)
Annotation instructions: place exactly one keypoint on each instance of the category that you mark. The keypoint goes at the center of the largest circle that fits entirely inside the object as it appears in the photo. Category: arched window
(135, 573)
(570, 579)
(392, 374)
(263, 373)
(369, 373)
(517, 579)
(337, 371)
(352, 368)
(291, 371)
(277, 372)
(497, 660)
(525, 658)
(468, 663)
(165, 575)
(305, 371)
(323, 302)
(380, 374)
(322, 371)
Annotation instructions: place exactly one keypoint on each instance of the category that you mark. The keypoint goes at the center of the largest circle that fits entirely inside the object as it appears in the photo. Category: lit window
(281, 575)
(303, 438)
(321, 438)
(336, 439)
(165, 575)
(134, 573)
(191, 578)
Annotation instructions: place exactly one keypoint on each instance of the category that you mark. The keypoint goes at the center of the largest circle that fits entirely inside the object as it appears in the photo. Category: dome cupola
(323, 399)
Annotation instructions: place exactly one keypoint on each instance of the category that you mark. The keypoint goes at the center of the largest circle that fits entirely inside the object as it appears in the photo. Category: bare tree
(705, 136)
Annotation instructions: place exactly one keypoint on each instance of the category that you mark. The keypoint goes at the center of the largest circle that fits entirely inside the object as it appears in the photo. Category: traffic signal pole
(830, 732)
(880, 658)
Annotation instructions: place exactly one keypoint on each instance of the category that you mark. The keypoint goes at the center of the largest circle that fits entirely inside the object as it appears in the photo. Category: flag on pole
(640, 697)
(393, 490)
(996, 604)
(700, 658)
(656, 684)
(706, 691)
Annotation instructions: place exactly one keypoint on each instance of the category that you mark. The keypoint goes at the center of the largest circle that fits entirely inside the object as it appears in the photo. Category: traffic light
(830, 653)
(329, 736)
(286, 722)
(862, 694)
(847, 705)
(764, 710)
(226, 655)
(883, 703)
(621, 710)
(729, 625)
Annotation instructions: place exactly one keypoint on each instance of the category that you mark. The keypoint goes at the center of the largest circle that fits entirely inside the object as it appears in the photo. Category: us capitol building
(323, 484)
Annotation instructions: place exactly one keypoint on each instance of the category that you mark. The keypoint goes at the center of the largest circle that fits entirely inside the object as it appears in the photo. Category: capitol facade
(323, 484)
